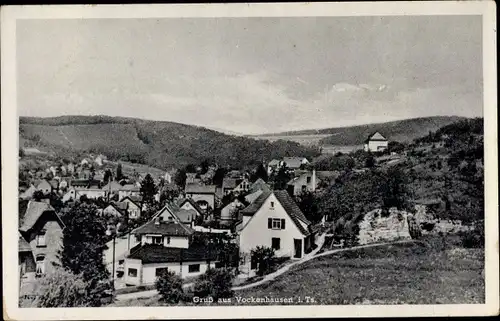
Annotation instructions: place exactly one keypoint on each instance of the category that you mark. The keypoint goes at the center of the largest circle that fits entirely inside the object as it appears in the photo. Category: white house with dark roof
(203, 195)
(273, 220)
(376, 143)
(165, 243)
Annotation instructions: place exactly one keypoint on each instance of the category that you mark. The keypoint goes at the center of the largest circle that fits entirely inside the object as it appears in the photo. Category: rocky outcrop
(376, 228)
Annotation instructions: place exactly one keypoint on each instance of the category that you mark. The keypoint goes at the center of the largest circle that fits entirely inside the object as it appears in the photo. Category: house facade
(133, 207)
(128, 190)
(305, 182)
(273, 220)
(42, 229)
(376, 143)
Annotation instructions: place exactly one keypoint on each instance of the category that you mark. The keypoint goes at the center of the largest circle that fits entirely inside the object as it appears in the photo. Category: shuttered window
(276, 223)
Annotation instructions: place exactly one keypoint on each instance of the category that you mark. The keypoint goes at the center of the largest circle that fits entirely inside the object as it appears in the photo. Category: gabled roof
(23, 245)
(250, 198)
(153, 253)
(129, 187)
(197, 207)
(186, 216)
(292, 209)
(376, 137)
(134, 199)
(274, 162)
(293, 162)
(113, 186)
(200, 189)
(43, 182)
(259, 184)
(288, 204)
(164, 228)
(34, 212)
(229, 182)
(54, 184)
(257, 204)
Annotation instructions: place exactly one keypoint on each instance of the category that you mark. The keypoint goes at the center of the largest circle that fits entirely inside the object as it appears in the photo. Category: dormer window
(40, 239)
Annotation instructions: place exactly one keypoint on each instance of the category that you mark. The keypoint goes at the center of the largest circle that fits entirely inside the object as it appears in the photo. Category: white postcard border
(9, 15)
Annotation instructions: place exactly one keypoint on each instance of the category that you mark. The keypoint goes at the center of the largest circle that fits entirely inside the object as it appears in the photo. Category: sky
(252, 75)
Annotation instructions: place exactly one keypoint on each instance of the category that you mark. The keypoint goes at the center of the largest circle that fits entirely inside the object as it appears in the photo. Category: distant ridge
(400, 130)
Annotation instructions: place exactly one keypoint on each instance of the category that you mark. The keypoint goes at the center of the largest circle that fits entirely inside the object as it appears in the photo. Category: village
(243, 205)
(202, 218)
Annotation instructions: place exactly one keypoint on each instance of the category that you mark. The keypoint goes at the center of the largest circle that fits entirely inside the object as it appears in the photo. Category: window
(168, 239)
(40, 265)
(132, 273)
(275, 243)
(138, 238)
(40, 239)
(253, 263)
(304, 188)
(160, 271)
(308, 179)
(193, 268)
(157, 239)
(272, 204)
(276, 223)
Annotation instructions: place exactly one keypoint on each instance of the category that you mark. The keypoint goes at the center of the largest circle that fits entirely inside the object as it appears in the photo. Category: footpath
(271, 276)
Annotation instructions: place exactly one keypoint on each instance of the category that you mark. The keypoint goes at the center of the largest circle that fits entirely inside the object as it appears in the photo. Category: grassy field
(430, 272)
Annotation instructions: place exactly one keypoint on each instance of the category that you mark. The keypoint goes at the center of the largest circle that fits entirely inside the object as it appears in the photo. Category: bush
(474, 238)
(215, 283)
(265, 258)
(169, 285)
(61, 288)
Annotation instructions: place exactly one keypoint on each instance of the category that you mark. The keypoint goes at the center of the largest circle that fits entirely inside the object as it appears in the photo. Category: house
(28, 194)
(45, 187)
(71, 168)
(191, 178)
(133, 206)
(164, 243)
(294, 163)
(112, 187)
(42, 229)
(93, 193)
(85, 174)
(148, 261)
(273, 165)
(273, 220)
(128, 190)
(376, 143)
(203, 195)
(70, 195)
(305, 182)
(227, 213)
(116, 209)
(84, 162)
(235, 185)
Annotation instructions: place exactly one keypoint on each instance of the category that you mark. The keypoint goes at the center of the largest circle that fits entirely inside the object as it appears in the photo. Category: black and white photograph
(290, 159)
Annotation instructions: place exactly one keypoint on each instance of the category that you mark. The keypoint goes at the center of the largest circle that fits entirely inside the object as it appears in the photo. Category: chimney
(314, 180)
(157, 221)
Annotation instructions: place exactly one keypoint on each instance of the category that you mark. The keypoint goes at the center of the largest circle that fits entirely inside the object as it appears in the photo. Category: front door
(298, 248)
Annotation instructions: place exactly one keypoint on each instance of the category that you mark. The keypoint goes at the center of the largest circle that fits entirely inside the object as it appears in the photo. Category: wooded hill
(157, 143)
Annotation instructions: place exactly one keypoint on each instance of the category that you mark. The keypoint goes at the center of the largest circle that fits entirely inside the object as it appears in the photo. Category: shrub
(474, 238)
(215, 283)
(265, 258)
(61, 288)
(169, 285)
